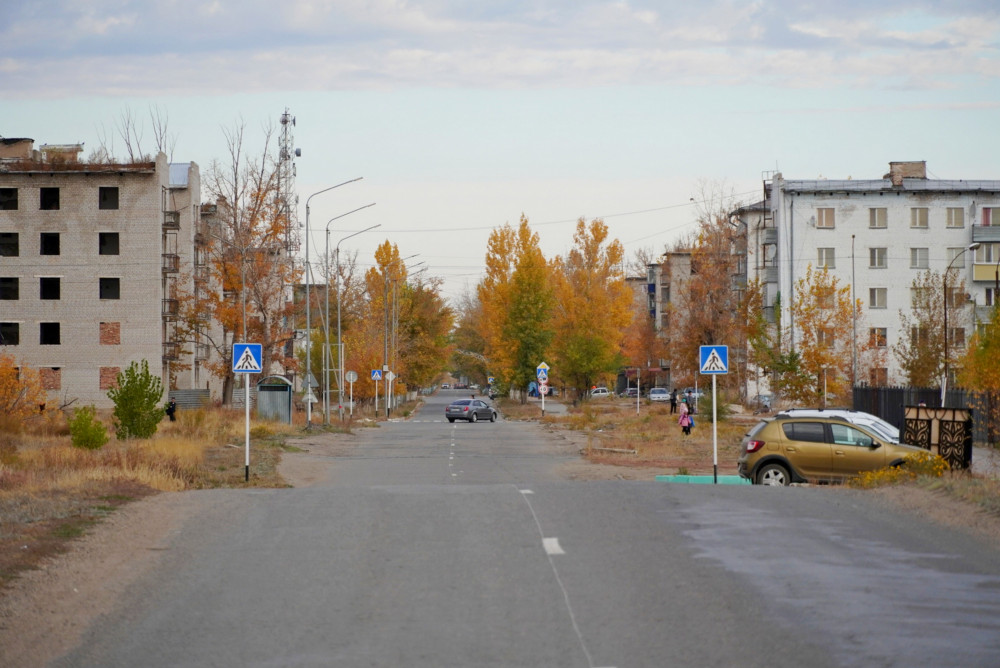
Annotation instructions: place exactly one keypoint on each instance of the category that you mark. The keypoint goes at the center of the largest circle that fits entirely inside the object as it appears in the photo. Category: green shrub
(137, 402)
(86, 431)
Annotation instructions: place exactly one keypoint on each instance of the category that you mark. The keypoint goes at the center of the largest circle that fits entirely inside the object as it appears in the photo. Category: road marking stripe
(552, 546)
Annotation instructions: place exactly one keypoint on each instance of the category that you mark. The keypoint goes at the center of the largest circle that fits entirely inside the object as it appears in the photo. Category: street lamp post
(385, 304)
(340, 355)
(944, 282)
(308, 315)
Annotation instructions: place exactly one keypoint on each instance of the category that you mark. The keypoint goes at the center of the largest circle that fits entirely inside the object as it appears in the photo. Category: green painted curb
(704, 479)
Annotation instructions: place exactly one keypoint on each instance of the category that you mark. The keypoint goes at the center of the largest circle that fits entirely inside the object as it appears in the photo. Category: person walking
(685, 421)
(673, 401)
(171, 409)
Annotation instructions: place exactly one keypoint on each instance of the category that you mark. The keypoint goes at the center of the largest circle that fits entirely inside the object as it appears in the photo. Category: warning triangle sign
(713, 363)
(247, 362)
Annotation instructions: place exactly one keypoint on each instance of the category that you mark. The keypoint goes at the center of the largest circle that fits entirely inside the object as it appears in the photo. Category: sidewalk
(552, 406)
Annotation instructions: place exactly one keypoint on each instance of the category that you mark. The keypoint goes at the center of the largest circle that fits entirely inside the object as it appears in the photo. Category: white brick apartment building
(90, 259)
(878, 235)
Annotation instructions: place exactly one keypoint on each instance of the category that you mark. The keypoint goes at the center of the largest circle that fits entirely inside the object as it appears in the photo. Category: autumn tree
(21, 393)
(517, 301)
(250, 272)
(979, 371)
(709, 311)
(469, 347)
(593, 306)
(920, 348)
(423, 325)
(823, 316)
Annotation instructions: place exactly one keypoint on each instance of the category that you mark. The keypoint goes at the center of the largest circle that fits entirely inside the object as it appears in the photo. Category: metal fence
(889, 403)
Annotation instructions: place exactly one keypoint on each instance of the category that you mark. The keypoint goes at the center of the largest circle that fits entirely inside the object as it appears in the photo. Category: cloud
(106, 46)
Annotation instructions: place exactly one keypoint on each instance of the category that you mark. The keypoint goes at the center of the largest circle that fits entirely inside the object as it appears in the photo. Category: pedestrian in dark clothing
(689, 400)
(673, 401)
(171, 409)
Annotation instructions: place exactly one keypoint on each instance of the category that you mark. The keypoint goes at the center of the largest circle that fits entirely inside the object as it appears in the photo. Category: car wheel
(774, 475)
(493, 416)
(474, 417)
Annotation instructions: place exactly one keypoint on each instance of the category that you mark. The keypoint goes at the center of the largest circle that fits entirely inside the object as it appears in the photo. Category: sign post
(247, 358)
(714, 360)
(376, 376)
(542, 373)
(352, 377)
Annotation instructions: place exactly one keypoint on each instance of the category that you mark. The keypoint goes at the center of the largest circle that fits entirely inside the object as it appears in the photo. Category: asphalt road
(437, 544)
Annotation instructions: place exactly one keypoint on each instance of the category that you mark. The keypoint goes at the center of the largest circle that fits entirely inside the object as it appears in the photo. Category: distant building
(92, 256)
(878, 235)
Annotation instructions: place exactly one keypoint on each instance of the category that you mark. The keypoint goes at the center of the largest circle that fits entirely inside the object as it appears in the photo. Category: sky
(462, 116)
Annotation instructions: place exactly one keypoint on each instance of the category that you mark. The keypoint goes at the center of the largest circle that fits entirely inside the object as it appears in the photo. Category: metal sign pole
(715, 434)
(246, 404)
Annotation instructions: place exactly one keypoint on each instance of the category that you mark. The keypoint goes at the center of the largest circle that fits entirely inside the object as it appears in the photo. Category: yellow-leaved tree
(979, 370)
(593, 307)
(21, 393)
(517, 300)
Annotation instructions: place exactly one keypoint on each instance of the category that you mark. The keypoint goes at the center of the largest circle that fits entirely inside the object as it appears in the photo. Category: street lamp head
(974, 245)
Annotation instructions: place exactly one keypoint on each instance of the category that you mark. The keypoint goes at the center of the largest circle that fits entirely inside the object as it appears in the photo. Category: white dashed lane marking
(551, 546)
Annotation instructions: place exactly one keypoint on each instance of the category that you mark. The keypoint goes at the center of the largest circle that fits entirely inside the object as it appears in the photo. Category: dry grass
(51, 491)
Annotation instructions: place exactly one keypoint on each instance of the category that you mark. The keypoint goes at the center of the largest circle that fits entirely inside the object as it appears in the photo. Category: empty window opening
(107, 197)
(9, 288)
(110, 288)
(48, 287)
(48, 333)
(8, 199)
(107, 243)
(48, 243)
(48, 199)
(9, 246)
(10, 333)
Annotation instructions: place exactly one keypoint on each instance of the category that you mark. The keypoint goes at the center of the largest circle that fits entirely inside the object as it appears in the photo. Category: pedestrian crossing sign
(376, 374)
(714, 359)
(247, 358)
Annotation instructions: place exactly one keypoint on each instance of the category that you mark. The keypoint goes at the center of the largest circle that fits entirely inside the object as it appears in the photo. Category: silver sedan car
(472, 410)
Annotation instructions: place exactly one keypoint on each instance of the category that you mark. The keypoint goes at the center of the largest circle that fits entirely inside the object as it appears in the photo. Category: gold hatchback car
(783, 450)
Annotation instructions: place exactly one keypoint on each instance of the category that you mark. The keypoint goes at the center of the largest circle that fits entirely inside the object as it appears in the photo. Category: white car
(659, 394)
(599, 392)
(873, 422)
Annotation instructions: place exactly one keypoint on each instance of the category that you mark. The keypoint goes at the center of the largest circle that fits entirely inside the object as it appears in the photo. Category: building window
(48, 199)
(920, 336)
(876, 258)
(111, 333)
(825, 219)
(878, 219)
(918, 217)
(48, 333)
(878, 376)
(10, 288)
(956, 216)
(9, 246)
(877, 336)
(988, 253)
(825, 338)
(107, 243)
(956, 297)
(825, 257)
(110, 288)
(989, 219)
(919, 258)
(109, 376)
(956, 337)
(48, 243)
(10, 333)
(877, 297)
(8, 199)
(107, 197)
(956, 258)
(51, 377)
(48, 287)
(920, 297)
(991, 296)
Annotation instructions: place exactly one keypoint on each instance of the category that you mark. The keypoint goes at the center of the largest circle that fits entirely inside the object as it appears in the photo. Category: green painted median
(704, 479)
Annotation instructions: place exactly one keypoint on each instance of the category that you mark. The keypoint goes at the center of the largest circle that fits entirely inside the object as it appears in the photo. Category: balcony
(171, 351)
(170, 309)
(171, 263)
(769, 236)
(171, 220)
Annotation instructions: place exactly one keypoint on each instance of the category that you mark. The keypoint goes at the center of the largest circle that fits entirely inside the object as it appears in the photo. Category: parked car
(472, 410)
(599, 392)
(659, 394)
(631, 392)
(445, 386)
(782, 450)
(873, 422)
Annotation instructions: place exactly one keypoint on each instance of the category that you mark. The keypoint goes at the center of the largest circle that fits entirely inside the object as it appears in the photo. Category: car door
(854, 451)
(482, 410)
(807, 448)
